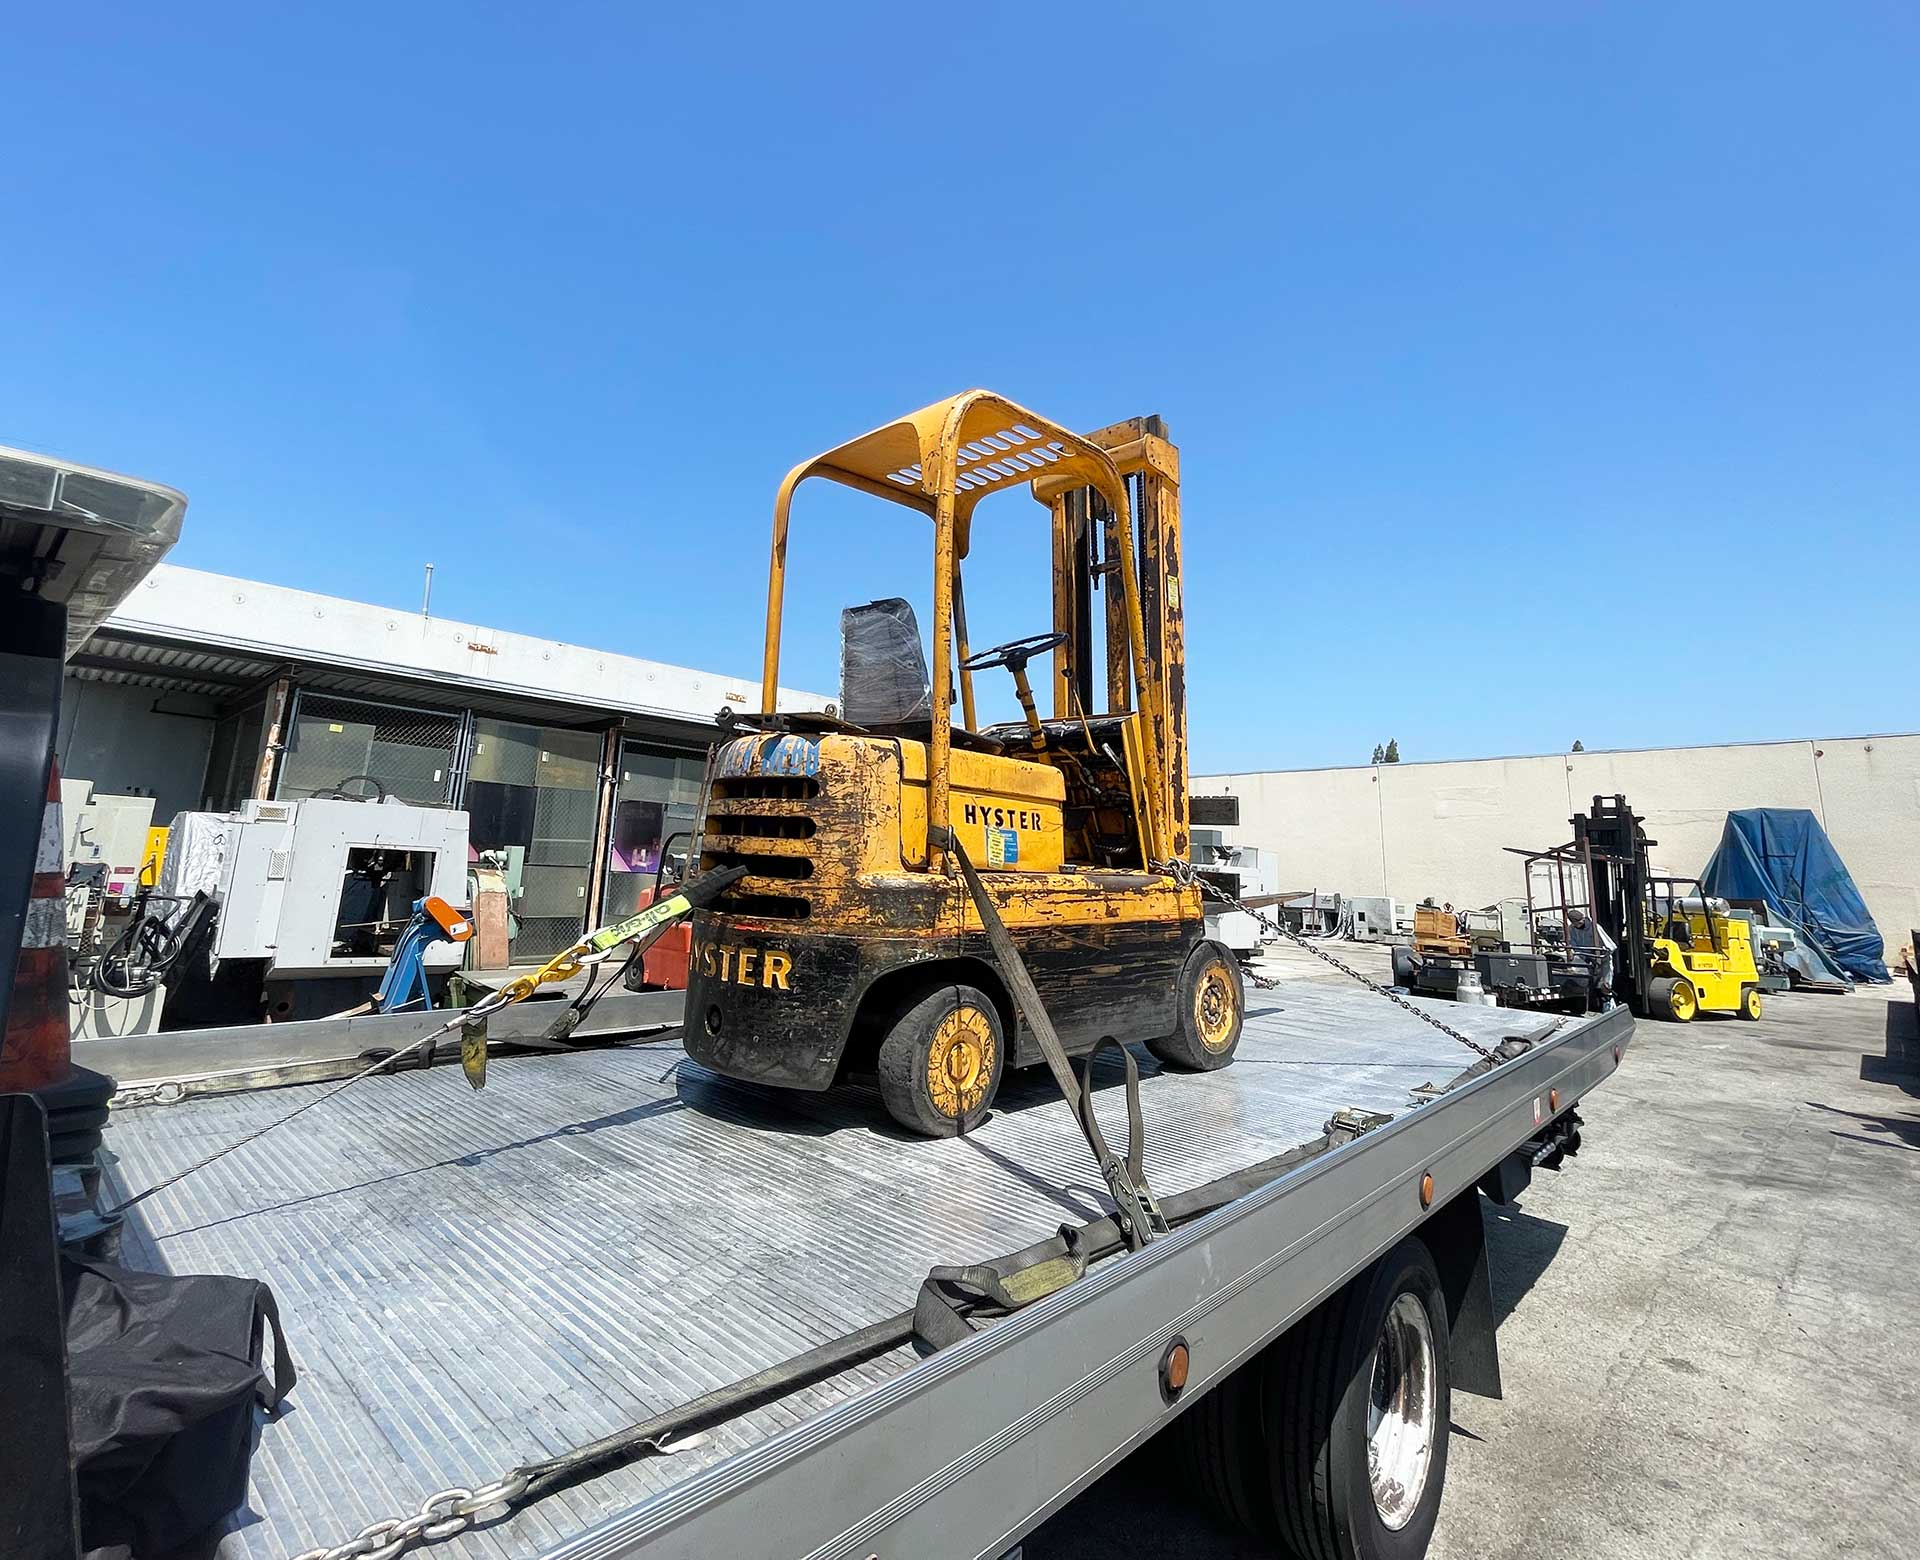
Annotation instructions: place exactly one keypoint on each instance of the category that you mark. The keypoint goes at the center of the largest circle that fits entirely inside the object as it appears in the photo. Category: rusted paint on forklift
(1073, 821)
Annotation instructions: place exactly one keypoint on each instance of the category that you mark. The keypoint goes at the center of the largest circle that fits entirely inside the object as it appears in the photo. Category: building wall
(1413, 830)
(136, 742)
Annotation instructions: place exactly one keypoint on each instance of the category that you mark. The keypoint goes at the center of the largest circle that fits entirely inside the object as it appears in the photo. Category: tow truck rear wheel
(942, 1060)
(1332, 1443)
(1213, 1000)
(1358, 1397)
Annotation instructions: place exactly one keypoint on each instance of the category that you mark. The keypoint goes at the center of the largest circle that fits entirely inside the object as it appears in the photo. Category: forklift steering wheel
(1015, 653)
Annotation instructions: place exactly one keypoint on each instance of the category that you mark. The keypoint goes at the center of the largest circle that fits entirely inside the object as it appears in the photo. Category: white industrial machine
(307, 902)
(107, 842)
(1245, 872)
(1500, 926)
(305, 885)
(1371, 918)
(1315, 914)
(108, 832)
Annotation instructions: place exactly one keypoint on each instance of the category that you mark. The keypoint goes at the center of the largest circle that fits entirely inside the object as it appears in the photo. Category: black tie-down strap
(991, 1290)
(955, 1301)
(1154, 1222)
(1139, 1211)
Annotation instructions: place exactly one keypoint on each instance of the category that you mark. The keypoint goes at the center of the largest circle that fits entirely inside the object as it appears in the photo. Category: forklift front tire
(1213, 1001)
(1672, 998)
(942, 1060)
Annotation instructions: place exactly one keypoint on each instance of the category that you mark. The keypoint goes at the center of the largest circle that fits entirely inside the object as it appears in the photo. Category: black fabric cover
(163, 1373)
(883, 670)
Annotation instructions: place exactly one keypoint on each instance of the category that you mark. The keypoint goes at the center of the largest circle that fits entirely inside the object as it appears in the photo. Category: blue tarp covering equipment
(1781, 857)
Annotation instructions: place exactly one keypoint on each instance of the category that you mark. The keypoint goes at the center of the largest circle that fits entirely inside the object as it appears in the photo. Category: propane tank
(1469, 990)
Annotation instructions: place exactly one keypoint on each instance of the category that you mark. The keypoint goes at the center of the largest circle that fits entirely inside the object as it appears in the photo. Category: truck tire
(1220, 1452)
(1213, 1001)
(942, 1060)
(1672, 998)
(1750, 1003)
(1357, 1398)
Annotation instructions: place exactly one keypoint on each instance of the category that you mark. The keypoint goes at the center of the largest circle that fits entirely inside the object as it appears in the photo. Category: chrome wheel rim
(1400, 1412)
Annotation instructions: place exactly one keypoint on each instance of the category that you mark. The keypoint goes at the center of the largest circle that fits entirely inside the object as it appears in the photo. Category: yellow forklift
(853, 945)
(1702, 957)
(1677, 951)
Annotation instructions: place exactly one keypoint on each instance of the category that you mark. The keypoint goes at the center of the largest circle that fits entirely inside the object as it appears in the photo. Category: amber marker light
(1174, 1365)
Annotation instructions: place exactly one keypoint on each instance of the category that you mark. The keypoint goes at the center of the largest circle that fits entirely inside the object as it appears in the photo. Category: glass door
(532, 795)
(657, 795)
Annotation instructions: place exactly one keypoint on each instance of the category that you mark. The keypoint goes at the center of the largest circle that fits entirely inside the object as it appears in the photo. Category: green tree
(1392, 754)
(1579, 746)
(1379, 754)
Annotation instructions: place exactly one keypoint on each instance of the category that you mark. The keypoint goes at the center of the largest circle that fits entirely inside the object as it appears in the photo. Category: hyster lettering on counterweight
(1000, 817)
(766, 968)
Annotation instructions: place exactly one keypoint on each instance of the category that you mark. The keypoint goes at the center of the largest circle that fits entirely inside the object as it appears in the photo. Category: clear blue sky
(1541, 370)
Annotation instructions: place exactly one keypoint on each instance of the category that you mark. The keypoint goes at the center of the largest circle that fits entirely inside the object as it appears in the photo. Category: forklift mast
(1614, 845)
(942, 460)
(1087, 554)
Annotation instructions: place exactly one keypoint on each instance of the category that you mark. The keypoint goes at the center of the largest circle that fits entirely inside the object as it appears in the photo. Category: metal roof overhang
(81, 536)
(114, 656)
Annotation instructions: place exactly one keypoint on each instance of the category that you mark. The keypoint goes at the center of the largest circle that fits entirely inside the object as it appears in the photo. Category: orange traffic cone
(36, 1054)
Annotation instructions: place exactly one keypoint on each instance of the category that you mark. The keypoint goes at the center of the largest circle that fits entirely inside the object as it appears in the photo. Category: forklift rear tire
(1750, 1002)
(1213, 1001)
(1672, 998)
(942, 1061)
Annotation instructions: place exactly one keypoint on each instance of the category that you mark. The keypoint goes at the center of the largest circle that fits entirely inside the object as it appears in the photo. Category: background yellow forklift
(852, 944)
(1678, 953)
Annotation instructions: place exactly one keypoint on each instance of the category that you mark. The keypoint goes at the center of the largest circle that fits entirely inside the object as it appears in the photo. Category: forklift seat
(1067, 734)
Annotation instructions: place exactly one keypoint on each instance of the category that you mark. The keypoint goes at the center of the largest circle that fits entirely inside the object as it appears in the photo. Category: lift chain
(1183, 872)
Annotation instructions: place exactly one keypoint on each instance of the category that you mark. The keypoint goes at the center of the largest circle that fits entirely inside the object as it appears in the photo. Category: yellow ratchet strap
(564, 966)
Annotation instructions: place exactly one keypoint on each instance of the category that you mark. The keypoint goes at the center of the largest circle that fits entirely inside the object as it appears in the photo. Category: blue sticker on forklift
(1003, 848)
(791, 756)
(759, 755)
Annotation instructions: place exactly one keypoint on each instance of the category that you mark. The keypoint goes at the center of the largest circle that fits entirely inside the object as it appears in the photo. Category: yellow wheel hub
(960, 1062)
(1682, 1000)
(1216, 1008)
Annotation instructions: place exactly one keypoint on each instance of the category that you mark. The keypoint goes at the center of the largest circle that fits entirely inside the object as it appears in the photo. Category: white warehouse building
(200, 691)
(1413, 830)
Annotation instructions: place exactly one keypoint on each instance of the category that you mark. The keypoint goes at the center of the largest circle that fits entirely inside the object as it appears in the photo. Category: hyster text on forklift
(853, 944)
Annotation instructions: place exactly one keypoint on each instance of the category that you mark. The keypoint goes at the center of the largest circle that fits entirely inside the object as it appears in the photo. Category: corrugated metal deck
(470, 1281)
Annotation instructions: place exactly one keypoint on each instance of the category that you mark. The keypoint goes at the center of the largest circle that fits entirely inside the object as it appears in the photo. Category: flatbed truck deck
(476, 1280)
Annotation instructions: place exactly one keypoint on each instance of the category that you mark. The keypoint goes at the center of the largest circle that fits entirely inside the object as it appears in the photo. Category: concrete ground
(1709, 1320)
